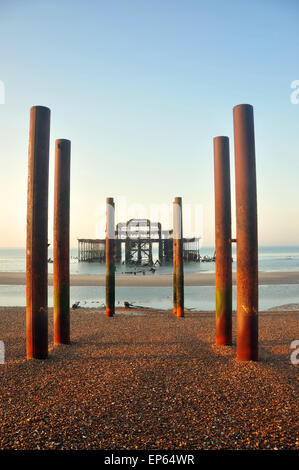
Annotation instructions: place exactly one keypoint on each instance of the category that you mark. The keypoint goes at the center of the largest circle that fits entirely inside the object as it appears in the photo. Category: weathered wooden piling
(61, 245)
(247, 244)
(110, 260)
(223, 241)
(37, 234)
(178, 263)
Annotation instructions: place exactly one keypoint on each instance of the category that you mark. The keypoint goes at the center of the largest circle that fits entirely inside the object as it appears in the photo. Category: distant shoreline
(154, 280)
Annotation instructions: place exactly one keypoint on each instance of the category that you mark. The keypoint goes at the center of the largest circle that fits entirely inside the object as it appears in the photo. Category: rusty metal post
(61, 244)
(110, 261)
(247, 244)
(223, 245)
(178, 268)
(37, 234)
(174, 275)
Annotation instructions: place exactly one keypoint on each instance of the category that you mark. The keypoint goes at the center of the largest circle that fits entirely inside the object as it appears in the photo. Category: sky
(141, 87)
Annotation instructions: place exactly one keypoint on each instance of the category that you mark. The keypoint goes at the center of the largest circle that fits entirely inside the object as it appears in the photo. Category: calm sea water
(201, 297)
(270, 259)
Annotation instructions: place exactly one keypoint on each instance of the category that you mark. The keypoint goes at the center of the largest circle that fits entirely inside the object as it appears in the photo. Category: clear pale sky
(141, 87)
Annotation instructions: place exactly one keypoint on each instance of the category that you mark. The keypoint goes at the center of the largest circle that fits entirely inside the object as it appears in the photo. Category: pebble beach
(148, 380)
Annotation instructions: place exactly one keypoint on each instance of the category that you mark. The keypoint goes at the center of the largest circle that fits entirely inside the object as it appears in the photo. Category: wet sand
(150, 381)
(154, 280)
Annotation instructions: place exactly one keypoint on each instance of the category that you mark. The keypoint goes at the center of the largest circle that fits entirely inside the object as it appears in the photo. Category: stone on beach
(148, 382)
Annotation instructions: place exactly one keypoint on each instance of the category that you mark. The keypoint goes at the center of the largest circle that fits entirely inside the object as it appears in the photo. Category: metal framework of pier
(138, 236)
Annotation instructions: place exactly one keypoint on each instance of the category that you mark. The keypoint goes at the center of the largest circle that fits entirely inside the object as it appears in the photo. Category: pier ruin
(134, 243)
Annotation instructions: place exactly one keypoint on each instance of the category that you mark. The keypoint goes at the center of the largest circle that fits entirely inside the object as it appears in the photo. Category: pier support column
(247, 245)
(127, 250)
(150, 252)
(174, 277)
(110, 260)
(139, 254)
(61, 257)
(223, 242)
(117, 246)
(160, 246)
(178, 263)
(118, 250)
(37, 234)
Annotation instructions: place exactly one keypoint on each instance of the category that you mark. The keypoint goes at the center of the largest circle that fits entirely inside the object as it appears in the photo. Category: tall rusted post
(37, 234)
(247, 245)
(110, 262)
(174, 276)
(61, 244)
(178, 267)
(223, 242)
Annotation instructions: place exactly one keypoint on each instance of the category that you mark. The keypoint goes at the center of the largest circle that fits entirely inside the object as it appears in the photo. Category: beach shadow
(205, 349)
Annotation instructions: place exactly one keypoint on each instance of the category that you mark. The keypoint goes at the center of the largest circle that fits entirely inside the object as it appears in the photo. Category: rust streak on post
(61, 256)
(174, 275)
(37, 234)
(247, 244)
(178, 267)
(110, 261)
(223, 242)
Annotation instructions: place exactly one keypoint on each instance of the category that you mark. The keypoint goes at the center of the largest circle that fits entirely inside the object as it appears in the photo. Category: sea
(271, 258)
